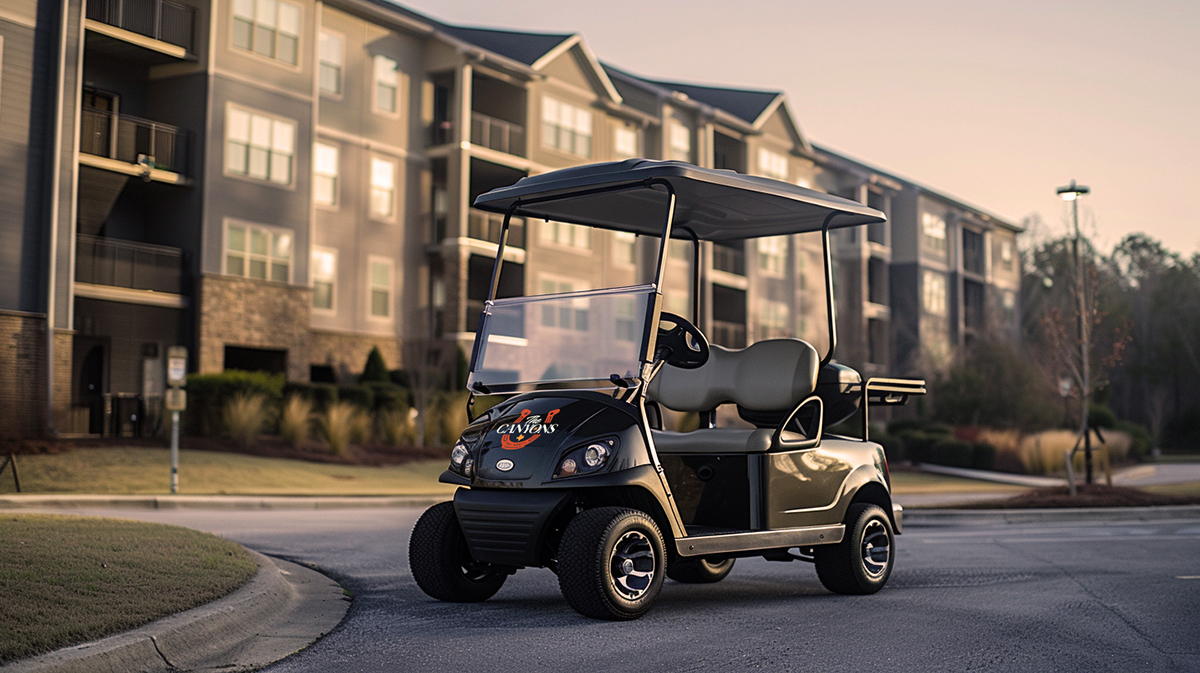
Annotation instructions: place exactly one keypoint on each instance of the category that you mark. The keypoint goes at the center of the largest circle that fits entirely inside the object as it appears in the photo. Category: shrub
(893, 446)
(397, 427)
(388, 396)
(338, 426)
(359, 395)
(951, 453)
(1101, 417)
(983, 456)
(209, 393)
(244, 419)
(296, 420)
(375, 369)
(997, 385)
(1139, 438)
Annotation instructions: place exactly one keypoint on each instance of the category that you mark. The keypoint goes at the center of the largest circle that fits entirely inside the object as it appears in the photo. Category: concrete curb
(921, 518)
(284, 608)
(217, 501)
(989, 475)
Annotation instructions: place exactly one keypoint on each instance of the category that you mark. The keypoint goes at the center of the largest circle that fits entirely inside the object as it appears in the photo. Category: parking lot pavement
(1157, 474)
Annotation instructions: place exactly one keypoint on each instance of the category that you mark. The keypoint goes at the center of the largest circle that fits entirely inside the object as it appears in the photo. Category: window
(933, 292)
(973, 252)
(258, 252)
(680, 250)
(330, 75)
(325, 174)
(267, 27)
(772, 251)
(387, 83)
(383, 188)
(681, 142)
(772, 320)
(562, 233)
(324, 269)
(560, 315)
(772, 164)
(566, 127)
(625, 143)
(625, 319)
(380, 281)
(933, 229)
(259, 146)
(1006, 255)
(624, 247)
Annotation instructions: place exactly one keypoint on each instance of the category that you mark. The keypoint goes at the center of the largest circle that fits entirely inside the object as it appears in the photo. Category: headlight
(458, 455)
(595, 455)
(469, 468)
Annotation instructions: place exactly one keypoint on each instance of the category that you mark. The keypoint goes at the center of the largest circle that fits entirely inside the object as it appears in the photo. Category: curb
(990, 475)
(284, 608)
(921, 518)
(226, 502)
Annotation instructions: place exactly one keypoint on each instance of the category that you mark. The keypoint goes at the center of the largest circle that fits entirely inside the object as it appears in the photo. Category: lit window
(330, 75)
(681, 142)
(325, 174)
(566, 127)
(1006, 254)
(562, 233)
(267, 27)
(383, 188)
(573, 315)
(933, 229)
(933, 292)
(625, 142)
(772, 164)
(259, 147)
(680, 250)
(324, 269)
(772, 251)
(387, 83)
(772, 320)
(258, 252)
(380, 287)
(624, 251)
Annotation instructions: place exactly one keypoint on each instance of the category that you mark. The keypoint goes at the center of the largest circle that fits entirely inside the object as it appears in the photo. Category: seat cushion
(767, 375)
(717, 440)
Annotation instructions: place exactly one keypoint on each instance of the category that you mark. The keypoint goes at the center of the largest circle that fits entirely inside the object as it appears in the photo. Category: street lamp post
(1072, 193)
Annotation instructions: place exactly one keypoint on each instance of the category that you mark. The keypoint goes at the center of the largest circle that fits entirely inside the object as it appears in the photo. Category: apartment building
(282, 185)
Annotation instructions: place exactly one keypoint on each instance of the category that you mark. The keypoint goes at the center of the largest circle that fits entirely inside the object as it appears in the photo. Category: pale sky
(995, 103)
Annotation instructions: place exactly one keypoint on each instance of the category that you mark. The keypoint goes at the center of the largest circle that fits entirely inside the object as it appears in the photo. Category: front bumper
(897, 517)
(507, 527)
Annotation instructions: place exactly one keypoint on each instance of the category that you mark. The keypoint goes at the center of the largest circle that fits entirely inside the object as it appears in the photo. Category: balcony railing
(163, 20)
(133, 140)
(729, 260)
(497, 134)
(486, 226)
(137, 266)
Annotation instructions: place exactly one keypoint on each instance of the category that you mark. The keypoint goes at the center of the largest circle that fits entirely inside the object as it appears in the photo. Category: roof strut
(830, 305)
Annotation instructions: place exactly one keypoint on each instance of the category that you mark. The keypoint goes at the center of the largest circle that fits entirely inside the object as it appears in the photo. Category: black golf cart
(572, 469)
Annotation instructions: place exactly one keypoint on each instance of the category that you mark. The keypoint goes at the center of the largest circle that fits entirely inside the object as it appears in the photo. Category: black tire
(611, 562)
(861, 563)
(441, 563)
(699, 570)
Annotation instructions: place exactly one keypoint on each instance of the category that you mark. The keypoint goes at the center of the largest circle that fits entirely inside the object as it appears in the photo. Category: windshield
(577, 340)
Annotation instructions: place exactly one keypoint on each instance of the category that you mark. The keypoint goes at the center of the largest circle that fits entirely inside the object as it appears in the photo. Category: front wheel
(611, 562)
(441, 563)
(862, 561)
(699, 570)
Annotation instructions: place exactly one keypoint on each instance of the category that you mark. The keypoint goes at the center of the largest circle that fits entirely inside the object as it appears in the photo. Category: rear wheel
(441, 563)
(862, 561)
(699, 570)
(611, 562)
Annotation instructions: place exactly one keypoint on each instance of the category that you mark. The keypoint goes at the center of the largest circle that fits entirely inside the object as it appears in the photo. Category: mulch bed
(1094, 495)
(374, 455)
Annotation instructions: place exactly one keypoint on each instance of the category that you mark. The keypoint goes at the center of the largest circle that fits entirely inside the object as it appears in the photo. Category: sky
(995, 103)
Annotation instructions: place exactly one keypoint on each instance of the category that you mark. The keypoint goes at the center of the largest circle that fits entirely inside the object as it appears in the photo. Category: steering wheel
(680, 343)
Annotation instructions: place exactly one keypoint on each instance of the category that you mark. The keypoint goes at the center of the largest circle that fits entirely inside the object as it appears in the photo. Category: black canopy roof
(717, 205)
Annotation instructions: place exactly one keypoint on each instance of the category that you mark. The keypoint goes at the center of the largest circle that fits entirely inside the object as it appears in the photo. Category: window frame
(928, 240)
(549, 234)
(633, 132)
(562, 135)
(335, 177)
(322, 63)
(373, 189)
(254, 25)
(769, 248)
(230, 110)
(674, 125)
(376, 84)
(331, 280)
(247, 254)
(942, 304)
(767, 160)
(372, 260)
(575, 315)
(621, 239)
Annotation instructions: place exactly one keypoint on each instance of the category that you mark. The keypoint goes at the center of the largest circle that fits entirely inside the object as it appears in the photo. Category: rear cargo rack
(889, 392)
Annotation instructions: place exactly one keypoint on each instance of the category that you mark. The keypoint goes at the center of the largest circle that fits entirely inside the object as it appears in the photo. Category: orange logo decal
(527, 428)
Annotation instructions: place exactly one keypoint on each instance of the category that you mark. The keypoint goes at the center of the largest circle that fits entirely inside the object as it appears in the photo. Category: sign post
(176, 401)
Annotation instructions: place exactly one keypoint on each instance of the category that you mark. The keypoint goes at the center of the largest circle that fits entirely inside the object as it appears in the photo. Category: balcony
(485, 226)
(730, 259)
(497, 134)
(161, 20)
(129, 265)
(135, 141)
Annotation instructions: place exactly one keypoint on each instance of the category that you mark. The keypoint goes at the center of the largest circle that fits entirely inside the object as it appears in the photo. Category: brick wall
(22, 374)
(254, 314)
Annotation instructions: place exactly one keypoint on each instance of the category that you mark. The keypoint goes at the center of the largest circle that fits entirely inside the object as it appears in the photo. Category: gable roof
(749, 105)
(526, 48)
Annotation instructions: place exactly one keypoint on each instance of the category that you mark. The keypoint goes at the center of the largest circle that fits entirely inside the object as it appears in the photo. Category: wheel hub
(876, 549)
(632, 565)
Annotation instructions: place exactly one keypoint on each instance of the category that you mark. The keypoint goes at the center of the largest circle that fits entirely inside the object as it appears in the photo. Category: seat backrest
(766, 376)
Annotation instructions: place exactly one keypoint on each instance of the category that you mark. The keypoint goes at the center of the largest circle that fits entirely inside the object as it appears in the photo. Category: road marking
(1187, 577)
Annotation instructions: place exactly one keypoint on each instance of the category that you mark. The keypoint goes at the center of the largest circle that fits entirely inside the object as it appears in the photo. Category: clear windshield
(579, 339)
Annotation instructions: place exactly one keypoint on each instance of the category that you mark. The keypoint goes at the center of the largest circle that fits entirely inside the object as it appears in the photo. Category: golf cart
(572, 470)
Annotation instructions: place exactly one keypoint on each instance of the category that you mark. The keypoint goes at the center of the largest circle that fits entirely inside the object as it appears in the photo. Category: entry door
(98, 128)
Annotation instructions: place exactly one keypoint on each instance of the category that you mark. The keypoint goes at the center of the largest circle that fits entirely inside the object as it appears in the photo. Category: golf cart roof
(717, 205)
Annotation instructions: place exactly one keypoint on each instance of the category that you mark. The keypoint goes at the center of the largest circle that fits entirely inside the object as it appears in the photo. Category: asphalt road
(1061, 597)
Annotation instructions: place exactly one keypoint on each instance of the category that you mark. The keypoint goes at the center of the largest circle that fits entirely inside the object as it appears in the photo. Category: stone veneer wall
(255, 314)
(347, 352)
(23, 374)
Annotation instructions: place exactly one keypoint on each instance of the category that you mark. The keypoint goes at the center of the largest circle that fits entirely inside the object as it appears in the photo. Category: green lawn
(147, 471)
(67, 580)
